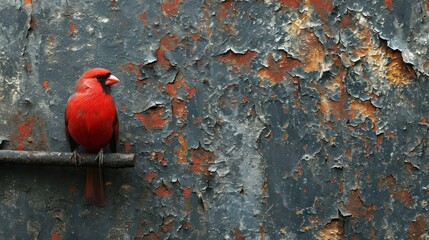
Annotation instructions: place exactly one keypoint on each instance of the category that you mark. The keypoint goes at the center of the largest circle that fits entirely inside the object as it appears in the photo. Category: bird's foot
(75, 158)
(100, 158)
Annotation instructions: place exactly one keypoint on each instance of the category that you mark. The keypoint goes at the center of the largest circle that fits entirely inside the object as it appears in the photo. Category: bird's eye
(98, 78)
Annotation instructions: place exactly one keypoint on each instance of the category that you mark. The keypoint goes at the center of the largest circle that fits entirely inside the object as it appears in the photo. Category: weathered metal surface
(249, 119)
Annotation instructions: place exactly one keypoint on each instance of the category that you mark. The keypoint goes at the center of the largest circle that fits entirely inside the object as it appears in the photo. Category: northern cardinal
(91, 121)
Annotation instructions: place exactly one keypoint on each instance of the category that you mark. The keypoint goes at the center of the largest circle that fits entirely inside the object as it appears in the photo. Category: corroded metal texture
(287, 119)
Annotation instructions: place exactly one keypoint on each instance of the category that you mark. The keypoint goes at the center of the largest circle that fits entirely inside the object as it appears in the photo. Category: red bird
(91, 121)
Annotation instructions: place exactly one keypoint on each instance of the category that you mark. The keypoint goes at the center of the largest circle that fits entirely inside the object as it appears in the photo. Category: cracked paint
(239, 112)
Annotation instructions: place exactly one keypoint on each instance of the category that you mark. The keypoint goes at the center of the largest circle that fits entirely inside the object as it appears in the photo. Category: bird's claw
(75, 158)
(100, 158)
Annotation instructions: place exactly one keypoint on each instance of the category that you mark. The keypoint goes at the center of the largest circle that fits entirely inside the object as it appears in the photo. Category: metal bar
(111, 160)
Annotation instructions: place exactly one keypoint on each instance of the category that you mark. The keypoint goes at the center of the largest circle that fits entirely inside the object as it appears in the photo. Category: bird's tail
(94, 186)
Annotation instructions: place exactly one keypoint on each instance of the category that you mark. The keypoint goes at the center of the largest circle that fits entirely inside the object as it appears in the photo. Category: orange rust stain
(127, 147)
(26, 2)
(323, 7)
(180, 82)
(388, 4)
(333, 230)
(360, 108)
(398, 72)
(159, 156)
(170, 8)
(289, 3)
(187, 192)
(143, 18)
(164, 191)
(195, 36)
(223, 10)
(152, 118)
(24, 130)
(404, 196)
(132, 68)
(298, 173)
(46, 84)
(168, 224)
(328, 107)
(387, 182)
(162, 61)
(349, 153)
(186, 225)
(409, 168)
(276, 70)
(55, 236)
(238, 235)
(72, 28)
(183, 152)
(238, 61)
(427, 5)
(179, 109)
(357, 208)
(201, 159)
(150, 176)
(167, 43)
(418, 228)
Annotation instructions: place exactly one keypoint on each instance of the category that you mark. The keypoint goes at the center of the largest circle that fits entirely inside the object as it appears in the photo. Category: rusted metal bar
(111, 160)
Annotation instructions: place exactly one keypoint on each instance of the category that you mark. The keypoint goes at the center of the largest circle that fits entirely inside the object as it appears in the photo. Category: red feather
(91, 121)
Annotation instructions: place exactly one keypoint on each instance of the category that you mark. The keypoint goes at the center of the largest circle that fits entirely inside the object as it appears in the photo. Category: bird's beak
(112, 80)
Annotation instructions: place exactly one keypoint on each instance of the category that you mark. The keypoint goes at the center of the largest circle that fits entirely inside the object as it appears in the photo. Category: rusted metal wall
(287, 119)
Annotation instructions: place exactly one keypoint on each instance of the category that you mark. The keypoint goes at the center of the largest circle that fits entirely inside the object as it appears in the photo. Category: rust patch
(289, 3)
(409, 168)
(398, 72)
(332, 231)
(143, 18)
(153, 118)
(186, 225)
(276, 70)
(363, 109)
(168, 224)
(388, 4)
(181, 153)
(127, 147)
(418, 228)
(179, 109)
(24, 130)
(238, 235)
(150, 176)
(55, 236)
(323, 7)
(328, 107)
(357, 208)
(72, 28)
(238, 62)
(223, 10)
(180, 82)
(26, 2)
(201, 159)
(164, 191)
(167, 43)
(159, 156)
(170, 8)
(45, 84)
(132, 68)
(404, 196)
(186, 196)
(187, 192)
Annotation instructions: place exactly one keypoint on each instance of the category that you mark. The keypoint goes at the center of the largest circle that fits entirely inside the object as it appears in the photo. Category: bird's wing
(72, 142)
